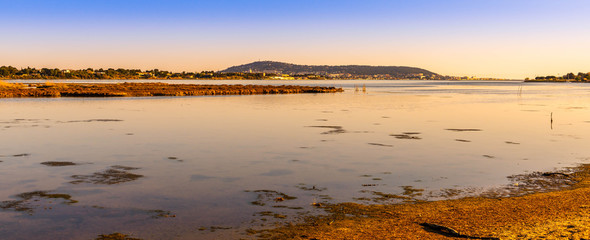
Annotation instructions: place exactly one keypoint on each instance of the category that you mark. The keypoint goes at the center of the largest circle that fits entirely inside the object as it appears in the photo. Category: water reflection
(191, 167)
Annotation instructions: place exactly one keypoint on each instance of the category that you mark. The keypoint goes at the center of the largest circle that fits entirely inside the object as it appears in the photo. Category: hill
(324, 70)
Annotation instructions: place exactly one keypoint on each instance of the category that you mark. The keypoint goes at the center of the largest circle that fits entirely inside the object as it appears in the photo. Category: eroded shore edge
(19, 90)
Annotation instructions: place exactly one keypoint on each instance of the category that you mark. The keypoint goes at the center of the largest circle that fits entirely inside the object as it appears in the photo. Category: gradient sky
(485, 38)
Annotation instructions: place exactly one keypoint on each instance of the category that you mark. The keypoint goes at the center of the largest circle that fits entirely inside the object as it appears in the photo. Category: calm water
(199, 160)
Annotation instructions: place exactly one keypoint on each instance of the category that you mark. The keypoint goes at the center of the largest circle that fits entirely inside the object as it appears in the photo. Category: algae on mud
(530, 208)
(113, 175)
(115, 236)
(265, 196)
(58, 164)
(16, 90)
(29, 201)
(407, 135)
(334, 129)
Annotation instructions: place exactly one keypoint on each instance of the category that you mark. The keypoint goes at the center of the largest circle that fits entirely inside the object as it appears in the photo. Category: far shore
(556, 80)
(22, 90)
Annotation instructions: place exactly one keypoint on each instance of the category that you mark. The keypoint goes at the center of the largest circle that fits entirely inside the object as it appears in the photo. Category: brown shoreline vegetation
(561, 214)
(19, 90)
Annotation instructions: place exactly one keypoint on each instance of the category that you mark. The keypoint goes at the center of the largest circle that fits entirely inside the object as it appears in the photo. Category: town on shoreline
(275, 72)
(12, 73)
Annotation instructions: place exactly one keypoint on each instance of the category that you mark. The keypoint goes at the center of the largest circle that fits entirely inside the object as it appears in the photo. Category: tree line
(580, 77)
(9, 72)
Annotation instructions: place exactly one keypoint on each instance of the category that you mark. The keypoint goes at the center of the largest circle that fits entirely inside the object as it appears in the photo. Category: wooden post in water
(551, 120)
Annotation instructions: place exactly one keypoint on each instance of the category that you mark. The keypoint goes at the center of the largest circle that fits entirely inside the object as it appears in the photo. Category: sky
(483, 38)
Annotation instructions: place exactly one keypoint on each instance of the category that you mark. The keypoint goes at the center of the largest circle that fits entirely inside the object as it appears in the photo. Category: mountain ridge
(324, 70)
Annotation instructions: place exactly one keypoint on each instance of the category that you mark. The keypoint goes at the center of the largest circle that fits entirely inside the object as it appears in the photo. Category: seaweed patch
(58, 164)
(463, 129)
(115, 236)
(161, 214)
(334, 129)
(113, 175)
(380, 144)
(266, 196)
(29, 201)
(407, 135)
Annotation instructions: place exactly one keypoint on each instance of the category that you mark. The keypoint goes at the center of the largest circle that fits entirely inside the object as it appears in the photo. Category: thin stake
(551, 120)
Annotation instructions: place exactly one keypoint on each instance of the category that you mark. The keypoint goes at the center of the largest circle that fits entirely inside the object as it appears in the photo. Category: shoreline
(560, 208)
(42, 90)
(248, 79)
(555, 81)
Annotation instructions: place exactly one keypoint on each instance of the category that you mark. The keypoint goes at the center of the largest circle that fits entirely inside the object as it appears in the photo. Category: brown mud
(94, 120)
(31, 201)
(22, 155)
(115, 236)
(333, 129)
(58, 164)
(113, 175)
(463, 129)
(407, 135)
(268, 196)
(381, 144)
(161, 214)
(539, 205)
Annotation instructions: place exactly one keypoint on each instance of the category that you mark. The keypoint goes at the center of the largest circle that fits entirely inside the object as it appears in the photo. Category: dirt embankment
(15, 90)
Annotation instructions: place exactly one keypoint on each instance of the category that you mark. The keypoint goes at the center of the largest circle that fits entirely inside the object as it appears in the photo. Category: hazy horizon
(502, 39)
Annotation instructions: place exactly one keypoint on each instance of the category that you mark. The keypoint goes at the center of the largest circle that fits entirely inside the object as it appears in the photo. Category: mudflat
(561, 214)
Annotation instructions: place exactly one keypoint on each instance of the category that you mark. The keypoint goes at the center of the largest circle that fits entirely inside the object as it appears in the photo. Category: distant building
(283, 77)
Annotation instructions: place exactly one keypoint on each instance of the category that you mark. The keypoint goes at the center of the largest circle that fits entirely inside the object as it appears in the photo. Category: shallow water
(198, 161)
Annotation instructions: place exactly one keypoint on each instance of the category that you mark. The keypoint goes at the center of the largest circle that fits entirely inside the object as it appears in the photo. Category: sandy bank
(562, 214)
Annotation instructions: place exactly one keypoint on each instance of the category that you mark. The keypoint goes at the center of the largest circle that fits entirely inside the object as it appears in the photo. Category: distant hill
(356, 70)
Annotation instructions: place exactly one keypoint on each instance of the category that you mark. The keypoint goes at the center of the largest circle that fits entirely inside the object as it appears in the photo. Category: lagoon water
(210, 167)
